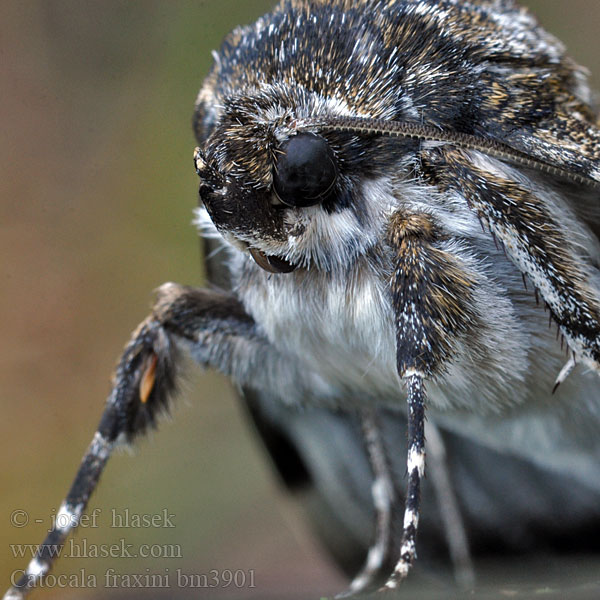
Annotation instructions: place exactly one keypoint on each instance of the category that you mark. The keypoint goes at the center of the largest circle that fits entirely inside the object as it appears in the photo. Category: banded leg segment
(432, 299)
(385, 498)
(415, 464)
(144, 382)
(535, 240)
(67, 517)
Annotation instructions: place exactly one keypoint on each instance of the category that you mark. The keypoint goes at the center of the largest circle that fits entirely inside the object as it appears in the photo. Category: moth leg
(211, 325)
(535, 232)
(432, 297)
(380, 554)
(415, 464)
(454, 527)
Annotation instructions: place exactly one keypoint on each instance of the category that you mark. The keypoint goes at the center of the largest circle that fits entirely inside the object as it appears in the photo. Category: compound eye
(305, 170)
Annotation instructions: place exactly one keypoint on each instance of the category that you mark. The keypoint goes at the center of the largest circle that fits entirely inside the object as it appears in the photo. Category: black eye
(305, 170)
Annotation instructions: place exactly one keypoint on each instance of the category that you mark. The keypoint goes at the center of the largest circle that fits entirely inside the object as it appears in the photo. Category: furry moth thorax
(479, 71)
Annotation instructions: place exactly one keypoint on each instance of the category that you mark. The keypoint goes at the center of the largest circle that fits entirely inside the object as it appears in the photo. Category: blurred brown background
(97, 190)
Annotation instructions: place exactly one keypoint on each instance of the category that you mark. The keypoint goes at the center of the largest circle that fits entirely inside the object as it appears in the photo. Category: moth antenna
(491, 147)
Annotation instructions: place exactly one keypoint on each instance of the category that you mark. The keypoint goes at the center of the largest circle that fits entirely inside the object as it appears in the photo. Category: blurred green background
(97, 191)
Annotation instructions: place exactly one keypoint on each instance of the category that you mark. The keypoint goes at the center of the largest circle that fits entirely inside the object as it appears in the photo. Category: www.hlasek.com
(82, 548)
(120, 519)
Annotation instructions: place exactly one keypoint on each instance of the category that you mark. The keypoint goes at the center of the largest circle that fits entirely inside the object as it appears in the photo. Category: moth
(391, 185)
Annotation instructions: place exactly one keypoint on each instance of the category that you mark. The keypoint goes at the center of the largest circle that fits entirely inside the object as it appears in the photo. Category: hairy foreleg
(541, 236)
(218, 333)
(432, 298)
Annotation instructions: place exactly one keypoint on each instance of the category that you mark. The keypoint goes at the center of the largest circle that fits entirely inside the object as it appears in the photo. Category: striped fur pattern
(428, 326)
(535, 240)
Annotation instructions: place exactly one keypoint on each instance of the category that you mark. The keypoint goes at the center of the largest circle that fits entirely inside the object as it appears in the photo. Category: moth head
(287, 180)
(279, 187)
(298, 170)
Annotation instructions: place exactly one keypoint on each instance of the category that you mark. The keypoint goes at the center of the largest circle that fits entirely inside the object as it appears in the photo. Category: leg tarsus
(415, 463)
(452, 521)
(380, 554)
